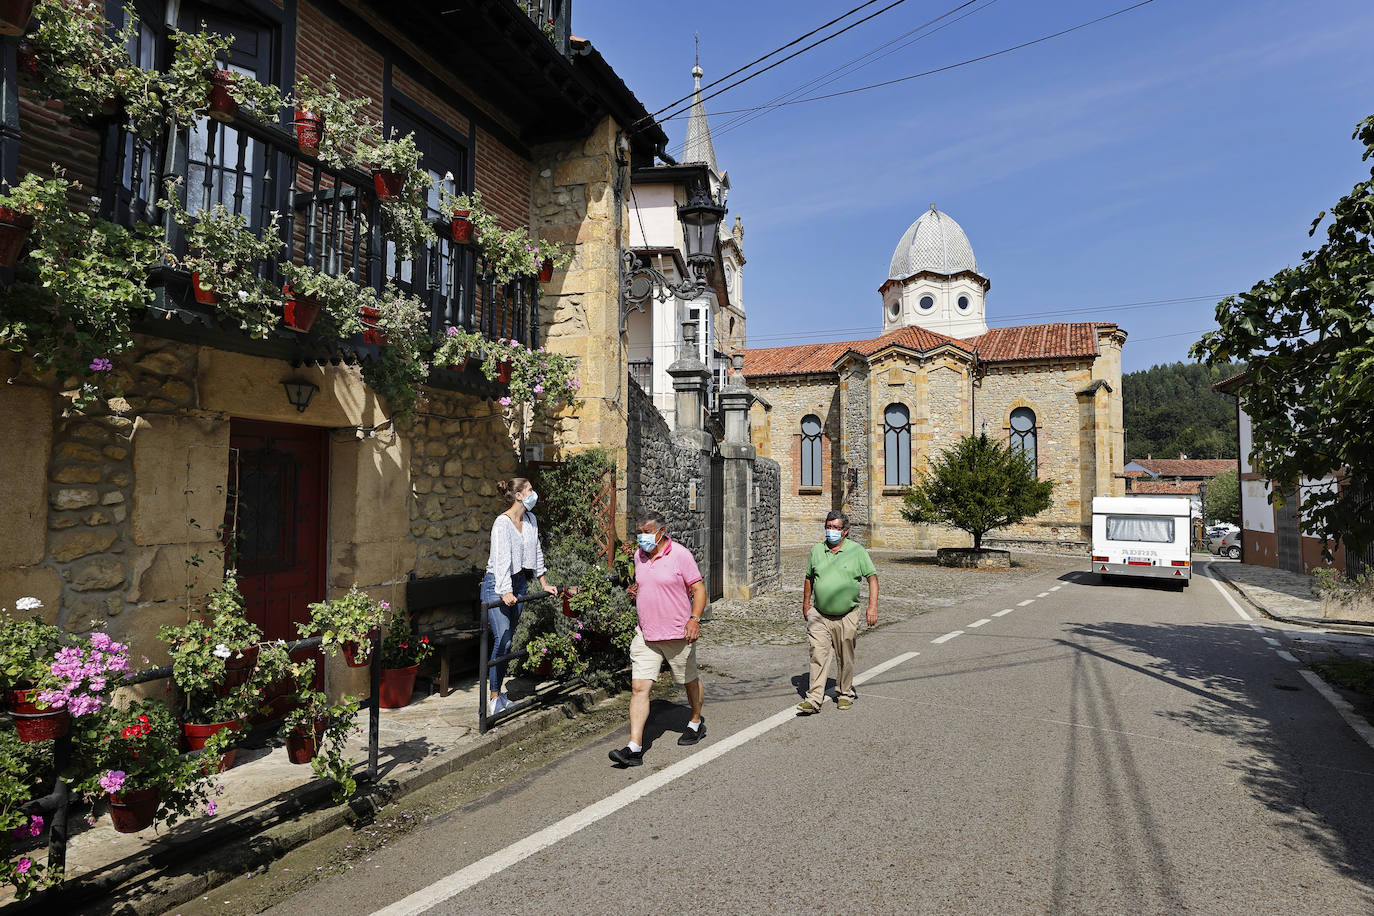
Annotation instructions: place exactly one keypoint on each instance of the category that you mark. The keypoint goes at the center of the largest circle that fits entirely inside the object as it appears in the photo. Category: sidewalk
(270, 805)
(1284, 596)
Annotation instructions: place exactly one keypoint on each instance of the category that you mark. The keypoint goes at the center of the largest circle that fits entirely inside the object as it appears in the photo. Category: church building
(853, 422)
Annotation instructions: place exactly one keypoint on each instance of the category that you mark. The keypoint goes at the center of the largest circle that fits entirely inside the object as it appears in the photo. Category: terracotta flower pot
(195, 734)
(222, 106)
(237, 670)
(543, 669)
(14, 232)
(462, 227)
(303, 744)
(567, 607)
(460, 367)
(32, 723)
(353, 657)
(546, 270)
(371, 334)
(503, 371)
(133, 811)
(299, 312)
(14, 16)
(203, 294)
(309, 129)
(396, 687)
(388, 185)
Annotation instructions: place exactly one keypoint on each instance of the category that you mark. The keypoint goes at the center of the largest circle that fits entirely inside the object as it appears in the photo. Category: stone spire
(698, 146)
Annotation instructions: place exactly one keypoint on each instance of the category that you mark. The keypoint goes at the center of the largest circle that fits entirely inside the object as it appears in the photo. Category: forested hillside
(1172, 410)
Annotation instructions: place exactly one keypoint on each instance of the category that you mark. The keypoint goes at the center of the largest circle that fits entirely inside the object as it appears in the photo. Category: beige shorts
(647, 658)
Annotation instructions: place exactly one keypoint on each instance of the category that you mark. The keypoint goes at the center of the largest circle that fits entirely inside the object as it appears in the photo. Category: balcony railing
(328, 218)
(642, 371)
(554, 18)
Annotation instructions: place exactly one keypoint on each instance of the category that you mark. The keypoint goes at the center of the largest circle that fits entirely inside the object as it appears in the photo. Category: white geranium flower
(222, 651)
(28, 604)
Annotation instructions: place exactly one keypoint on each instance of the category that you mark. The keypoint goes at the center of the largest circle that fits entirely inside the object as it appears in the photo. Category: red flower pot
(14, 16)
(309, 129)
(222, 106)
(543, 669)
(503, 371)
(299, 312)
(460, 367)
(567, 607)
(370, 332)
(32, 723)
(546, 270)
(133, 811)
(462, 227)
(397, 686)
(14, 232)
(203, 294)
(303, 744)
(388, 184)
(195, 734)
(353, 658)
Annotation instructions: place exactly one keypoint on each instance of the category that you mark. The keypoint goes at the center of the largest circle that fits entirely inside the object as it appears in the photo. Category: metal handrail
(55, 806)
(484, 720)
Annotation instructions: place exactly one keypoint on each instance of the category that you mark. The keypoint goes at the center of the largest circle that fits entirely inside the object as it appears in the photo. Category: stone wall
(665, 475)
(765, 534)
(776, 435)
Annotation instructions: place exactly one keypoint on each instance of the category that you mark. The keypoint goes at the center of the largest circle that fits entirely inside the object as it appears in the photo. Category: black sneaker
(623, 756)
(693, 735)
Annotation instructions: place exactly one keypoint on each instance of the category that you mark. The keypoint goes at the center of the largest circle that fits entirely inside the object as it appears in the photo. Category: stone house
(116, 516)
(852, 422)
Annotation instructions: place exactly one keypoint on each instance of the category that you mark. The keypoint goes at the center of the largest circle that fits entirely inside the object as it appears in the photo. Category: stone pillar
(861, 441)
(738, 452)
(694, 445)
(690, 377)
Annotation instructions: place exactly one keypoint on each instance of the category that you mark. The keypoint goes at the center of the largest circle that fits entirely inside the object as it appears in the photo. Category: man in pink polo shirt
(670, 598)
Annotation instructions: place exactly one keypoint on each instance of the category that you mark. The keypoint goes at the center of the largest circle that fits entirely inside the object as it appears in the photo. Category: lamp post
(700, 217)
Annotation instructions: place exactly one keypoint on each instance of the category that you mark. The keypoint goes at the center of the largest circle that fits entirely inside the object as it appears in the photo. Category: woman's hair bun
(503, 487)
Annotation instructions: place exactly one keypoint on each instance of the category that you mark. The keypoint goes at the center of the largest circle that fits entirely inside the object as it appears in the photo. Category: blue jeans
(502, 620)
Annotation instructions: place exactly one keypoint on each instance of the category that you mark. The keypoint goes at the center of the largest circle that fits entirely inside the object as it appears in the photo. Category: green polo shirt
(835, 576)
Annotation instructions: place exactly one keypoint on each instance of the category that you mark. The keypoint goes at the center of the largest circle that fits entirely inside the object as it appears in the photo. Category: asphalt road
(1101, 748)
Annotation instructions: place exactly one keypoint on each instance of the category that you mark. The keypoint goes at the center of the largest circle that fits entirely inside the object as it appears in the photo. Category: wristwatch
(696, 618)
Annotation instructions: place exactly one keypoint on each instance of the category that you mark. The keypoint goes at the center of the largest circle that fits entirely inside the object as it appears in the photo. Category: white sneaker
(502, 702)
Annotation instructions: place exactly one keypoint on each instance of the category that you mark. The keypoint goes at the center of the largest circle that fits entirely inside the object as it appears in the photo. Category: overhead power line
(925, 73)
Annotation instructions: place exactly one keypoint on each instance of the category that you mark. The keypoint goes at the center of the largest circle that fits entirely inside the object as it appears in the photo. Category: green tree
(1223, 498)
(1307, 334)
(977, 486)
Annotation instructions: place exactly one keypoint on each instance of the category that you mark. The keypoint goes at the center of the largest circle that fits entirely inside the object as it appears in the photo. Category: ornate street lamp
(700, 217)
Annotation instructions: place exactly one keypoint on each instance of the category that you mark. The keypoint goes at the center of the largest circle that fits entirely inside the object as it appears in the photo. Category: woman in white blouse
(515, 556)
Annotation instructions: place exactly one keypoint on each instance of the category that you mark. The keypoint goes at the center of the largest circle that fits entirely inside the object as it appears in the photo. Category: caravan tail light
(1180, 562)
(1099, 559)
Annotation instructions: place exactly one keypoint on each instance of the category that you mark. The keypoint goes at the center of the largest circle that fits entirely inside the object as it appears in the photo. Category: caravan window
(1150, 528)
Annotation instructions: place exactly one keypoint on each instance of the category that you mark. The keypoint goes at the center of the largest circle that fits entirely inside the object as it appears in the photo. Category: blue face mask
(530, 500)
(832, 536)
(647, 542)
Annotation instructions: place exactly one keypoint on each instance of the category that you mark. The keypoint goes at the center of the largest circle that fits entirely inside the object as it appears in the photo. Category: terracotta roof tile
(1037, 341)
(1165, 487)
(1187, 467)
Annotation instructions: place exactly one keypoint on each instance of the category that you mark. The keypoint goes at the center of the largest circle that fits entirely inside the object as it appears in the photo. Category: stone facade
(667, 475)
(765, 533)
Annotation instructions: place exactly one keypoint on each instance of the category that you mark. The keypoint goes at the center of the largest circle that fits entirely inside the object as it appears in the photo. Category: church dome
(935, 243)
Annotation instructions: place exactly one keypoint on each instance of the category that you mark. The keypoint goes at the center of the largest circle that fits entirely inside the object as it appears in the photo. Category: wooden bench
(448, 610)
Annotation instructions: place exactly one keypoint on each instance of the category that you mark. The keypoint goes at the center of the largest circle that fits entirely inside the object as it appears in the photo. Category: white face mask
(832, 536)
(530, 500)
(647, 542)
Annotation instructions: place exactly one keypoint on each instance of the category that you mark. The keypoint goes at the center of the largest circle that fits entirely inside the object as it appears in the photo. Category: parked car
(1214, 531)
(1226, 544)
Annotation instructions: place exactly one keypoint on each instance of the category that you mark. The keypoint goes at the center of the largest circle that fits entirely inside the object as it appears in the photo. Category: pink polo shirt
(664, 601)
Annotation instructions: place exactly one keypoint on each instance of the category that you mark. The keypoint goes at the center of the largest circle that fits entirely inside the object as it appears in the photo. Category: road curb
(173, 876)
(1356, 627)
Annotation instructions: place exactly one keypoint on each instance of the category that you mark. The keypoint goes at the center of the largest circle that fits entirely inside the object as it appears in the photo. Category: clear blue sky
(1180, 150)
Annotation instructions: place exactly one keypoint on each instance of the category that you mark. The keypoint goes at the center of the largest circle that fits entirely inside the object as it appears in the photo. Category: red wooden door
(275, 521)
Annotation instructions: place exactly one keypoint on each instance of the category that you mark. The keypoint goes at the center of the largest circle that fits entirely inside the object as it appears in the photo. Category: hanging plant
(345, 127)
(341, 301)
(79, 59)
(507, 254)
(195, 85)
(402, 367)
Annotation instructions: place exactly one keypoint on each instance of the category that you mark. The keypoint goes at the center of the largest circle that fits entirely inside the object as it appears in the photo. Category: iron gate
(1287, 535)
(716, 526)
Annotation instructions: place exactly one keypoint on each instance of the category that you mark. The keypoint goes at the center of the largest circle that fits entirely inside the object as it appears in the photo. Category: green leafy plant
(402, 367)
(978, 485)
(25, 770)
(79, 287)
(27, 647)
(200, 650)
(348, 619)
(571, 519)
(402, 648)
(544, 380)
(347, 128)
(329, 725)
(1222, 500)
(507, 254)
(603, 619)
(227, 255)
(82, 62)
(341, 300)
(457, 345)
(558, 651)
(187, 82)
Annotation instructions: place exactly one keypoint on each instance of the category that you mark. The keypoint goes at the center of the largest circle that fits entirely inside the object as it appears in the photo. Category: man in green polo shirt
(833, 575)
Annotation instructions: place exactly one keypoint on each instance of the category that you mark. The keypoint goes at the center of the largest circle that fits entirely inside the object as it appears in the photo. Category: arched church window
(896, 446)
(963, 303)
(1023, 433)
(927, 303)
(811, 451)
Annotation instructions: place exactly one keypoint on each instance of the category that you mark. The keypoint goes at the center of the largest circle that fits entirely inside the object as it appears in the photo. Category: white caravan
(1149, 536)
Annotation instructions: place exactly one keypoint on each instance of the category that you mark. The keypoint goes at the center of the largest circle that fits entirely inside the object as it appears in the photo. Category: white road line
(1286, 655)
(1026, 602)
(1272, 642)
(1227, 595)
(1004, 612)
(454, 884)
(1257, 628)
(947, 637)
(979, 623)
(1056, 588)
(1362, 728)
(1043, 595)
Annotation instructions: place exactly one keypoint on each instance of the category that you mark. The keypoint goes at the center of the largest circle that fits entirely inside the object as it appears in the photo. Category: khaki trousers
(831, 637)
